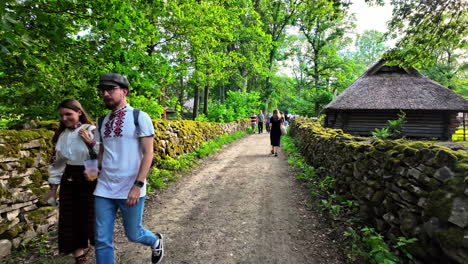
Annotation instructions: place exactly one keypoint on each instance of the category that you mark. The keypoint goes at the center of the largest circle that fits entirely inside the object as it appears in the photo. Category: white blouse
(70, 149)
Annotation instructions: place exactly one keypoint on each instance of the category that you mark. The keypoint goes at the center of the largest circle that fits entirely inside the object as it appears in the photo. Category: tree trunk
(196, 101)
(181, 91)
(221, 93)
(205, 98)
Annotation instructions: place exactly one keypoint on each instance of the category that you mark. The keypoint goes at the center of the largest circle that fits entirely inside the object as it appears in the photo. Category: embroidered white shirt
(122, 152)
(70, 149)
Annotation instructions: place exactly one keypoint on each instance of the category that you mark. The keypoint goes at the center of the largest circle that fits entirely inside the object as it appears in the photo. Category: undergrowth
(362, 243)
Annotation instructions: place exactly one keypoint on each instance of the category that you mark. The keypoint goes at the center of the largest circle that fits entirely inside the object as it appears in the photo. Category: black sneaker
(158, 253)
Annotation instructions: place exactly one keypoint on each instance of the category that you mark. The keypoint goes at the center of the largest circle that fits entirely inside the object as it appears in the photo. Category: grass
(458, 135)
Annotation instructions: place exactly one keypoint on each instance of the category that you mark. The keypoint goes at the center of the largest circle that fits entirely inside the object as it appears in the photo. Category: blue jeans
(106, 210)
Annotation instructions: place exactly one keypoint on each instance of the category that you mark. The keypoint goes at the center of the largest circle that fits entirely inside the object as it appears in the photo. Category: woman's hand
(85, 135)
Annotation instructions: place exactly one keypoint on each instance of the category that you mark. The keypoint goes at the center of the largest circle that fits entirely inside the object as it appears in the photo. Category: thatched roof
(383, 87)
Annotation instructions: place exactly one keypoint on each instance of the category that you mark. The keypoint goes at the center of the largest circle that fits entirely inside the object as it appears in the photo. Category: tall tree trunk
(205, 98)
(181, 91)
(221, 93)
(196, 101)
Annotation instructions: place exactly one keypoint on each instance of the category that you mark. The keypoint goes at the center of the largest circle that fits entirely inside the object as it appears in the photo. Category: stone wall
(410, 189)
(24, 156)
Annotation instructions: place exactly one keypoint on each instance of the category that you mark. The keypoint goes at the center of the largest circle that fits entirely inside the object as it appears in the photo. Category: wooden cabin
(382, 91)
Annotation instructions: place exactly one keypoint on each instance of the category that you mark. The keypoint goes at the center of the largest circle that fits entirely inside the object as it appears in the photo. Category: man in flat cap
(126, 151)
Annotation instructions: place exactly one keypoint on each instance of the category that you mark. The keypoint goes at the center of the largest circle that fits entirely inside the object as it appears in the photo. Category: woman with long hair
(275, 131)
(73, 144)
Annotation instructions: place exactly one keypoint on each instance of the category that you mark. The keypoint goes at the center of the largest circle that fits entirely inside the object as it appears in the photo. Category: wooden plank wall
(419, 124)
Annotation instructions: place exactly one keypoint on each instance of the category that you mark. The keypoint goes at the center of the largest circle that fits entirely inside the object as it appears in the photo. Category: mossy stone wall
(410, 189)
(24, 156)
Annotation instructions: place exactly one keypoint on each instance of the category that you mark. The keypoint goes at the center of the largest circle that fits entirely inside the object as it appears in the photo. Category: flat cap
(114, 79)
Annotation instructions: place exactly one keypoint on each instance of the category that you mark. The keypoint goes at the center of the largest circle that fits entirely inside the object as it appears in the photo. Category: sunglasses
(108, 88)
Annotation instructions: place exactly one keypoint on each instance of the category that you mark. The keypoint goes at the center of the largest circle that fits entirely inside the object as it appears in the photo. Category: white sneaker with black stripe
(157, 253)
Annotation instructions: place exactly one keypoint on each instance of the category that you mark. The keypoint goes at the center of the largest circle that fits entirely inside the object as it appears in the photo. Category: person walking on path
(253, 122)
(275, 131)
(268, 117)
(261, 119)
(73, 144)
(126, 152)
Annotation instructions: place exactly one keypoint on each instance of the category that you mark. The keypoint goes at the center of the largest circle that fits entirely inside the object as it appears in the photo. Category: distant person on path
(73, 144)
(126, 152)
(253, 122)
(275, 131)
(268, 117)
(261, 119)
(285, 119)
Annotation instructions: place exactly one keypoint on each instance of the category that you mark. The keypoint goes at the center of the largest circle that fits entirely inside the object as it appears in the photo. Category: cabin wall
(419, 124)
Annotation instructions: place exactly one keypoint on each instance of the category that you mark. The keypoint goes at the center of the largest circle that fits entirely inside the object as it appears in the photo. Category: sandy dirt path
(241, 205)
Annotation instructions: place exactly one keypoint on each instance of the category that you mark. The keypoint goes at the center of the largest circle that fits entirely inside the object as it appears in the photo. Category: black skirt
(275, 133)
(76, 211)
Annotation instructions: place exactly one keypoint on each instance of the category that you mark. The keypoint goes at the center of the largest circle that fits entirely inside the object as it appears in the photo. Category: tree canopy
(227, 56)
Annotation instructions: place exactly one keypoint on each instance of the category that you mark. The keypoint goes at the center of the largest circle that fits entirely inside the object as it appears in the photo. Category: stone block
(32, 144)
(431, 226)
(7, 159)
(443, 174)
(465, 239)
(28, 172)
(5, 248)
(53, 219)
(20, 205)
(16, 242)
(28, 208)
(41, 229)
(12, 214)
(6, 208)
(415, 173)
(459, 214)
(24, 153)
(28, 235)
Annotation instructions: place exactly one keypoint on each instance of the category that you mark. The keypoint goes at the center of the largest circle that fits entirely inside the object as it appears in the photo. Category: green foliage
(424, 27)
(238, 105)
(394, 128)
(369, 244)
(381, 133)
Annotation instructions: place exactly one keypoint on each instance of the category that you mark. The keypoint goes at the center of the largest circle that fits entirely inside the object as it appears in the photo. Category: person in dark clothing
(268, 117)
(260, 119)
(275, 131)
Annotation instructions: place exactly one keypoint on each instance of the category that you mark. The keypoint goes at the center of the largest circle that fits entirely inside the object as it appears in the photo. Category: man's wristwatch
(139, 183)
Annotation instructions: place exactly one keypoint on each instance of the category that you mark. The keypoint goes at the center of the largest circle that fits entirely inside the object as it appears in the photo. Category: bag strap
(136, 113)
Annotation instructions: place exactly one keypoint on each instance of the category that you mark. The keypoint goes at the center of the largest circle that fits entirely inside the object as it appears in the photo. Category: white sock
(156, 244)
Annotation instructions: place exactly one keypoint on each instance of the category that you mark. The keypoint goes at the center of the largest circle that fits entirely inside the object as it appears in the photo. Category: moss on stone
(5, 193)
(451, 237)
(445, 158)
(4, 227)
(418, 145)
(15, 182)
(49, 125)
(39, 216)
(15, 230)
(38, 191)
(439, 204)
